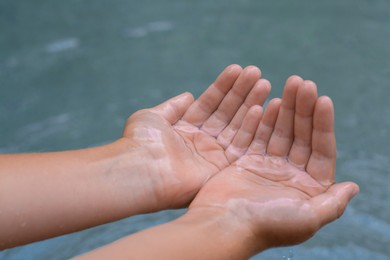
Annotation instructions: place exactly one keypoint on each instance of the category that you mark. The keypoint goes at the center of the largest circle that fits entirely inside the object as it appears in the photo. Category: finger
(256, 96)
(331, 204)
(209, 101)
(322, 159)
(245, 134)
(232, 101)
(283, 134)
(303, 124)
(261, 90)
(265, 128)
(174, 108)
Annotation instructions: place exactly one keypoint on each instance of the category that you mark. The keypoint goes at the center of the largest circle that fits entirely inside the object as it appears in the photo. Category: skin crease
(164, 157)
(190, 147)
(279, 190)
(253, 179)
(283, 192)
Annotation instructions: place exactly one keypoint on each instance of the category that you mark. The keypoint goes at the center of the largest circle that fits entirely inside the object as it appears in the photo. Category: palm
(193, 139)
(282, 187)
(264, 200)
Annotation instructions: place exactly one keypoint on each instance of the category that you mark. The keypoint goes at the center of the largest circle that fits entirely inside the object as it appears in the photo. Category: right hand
(188, 142)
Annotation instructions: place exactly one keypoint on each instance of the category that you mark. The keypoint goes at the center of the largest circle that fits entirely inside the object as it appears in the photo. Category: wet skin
(275, 184)
(188, 142)
(281, 191)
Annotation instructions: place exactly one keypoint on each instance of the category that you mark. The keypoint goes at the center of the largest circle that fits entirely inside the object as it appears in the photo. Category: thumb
(173, 109)
(331, 205)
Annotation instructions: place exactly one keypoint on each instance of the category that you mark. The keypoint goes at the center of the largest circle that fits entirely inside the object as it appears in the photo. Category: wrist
(201, 233)
(165, 181)
(198, 234)
(226, 235)
(130, 173)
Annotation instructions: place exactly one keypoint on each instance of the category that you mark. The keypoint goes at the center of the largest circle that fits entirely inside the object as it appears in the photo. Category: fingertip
(271, 112)
(294, 80)
(331, 204)
(174, 108)
(324, 113)
(305, 103)
(275, 102)
(183, 100)
(233, 65)
(264, 83)
(188, 96)
(260, 91)
(324, 110)
(256, 109)
(251, 69)
(325, 101)
(290, 91)
(355, 189)
(346, 190)
(233, 68)
(254, 114)
(309, 82)
(311, 85)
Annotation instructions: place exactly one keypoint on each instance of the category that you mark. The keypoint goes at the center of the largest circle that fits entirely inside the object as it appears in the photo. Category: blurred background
(72, 71)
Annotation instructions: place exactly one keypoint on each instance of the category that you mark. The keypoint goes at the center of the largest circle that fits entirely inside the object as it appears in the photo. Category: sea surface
(72, 71)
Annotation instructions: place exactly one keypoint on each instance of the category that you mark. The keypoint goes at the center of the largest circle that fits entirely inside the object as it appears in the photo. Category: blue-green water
(72, 71)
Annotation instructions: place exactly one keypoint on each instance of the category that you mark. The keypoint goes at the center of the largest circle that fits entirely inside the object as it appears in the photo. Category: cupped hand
(281, 191)
(187, 141)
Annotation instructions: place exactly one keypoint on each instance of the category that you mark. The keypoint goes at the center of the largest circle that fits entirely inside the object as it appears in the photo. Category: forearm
(49, 194)
(196, 235)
